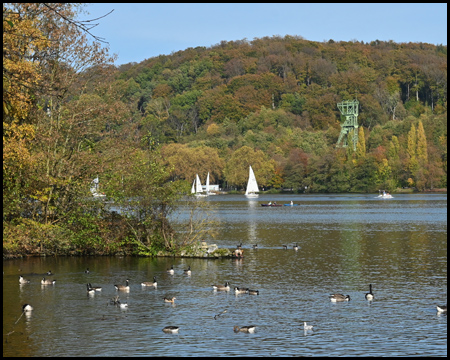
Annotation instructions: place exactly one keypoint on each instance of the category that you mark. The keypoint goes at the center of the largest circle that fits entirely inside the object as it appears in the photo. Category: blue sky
(140, 31)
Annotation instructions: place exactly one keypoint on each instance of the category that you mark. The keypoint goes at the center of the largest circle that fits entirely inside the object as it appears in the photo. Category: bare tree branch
(83, 25)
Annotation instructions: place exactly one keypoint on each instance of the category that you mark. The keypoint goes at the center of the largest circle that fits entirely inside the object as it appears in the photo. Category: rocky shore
(203, 250)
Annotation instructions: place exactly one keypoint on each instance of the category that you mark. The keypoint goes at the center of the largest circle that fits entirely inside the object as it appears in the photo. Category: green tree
(296, 169)
(237, 167)
(328, 173)
(364, 177)
(292, 102)
(393, 156)
(147, 199)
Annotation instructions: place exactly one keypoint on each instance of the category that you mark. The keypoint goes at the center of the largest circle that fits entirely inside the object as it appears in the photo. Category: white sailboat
(252, 185)
(207, 184)
(198, 187)
(95, 188)
(207, 187)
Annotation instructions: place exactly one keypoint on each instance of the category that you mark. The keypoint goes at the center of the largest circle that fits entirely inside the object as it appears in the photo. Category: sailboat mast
(199, 185)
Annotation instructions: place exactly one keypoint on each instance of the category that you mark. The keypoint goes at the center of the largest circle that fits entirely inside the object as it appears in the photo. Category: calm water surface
(346, 242)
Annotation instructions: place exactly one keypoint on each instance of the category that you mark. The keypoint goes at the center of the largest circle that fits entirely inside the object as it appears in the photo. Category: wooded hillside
(144, 130)
(278, 97)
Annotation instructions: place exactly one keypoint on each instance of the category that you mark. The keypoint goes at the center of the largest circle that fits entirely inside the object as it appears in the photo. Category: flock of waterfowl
(239, 252)
(27, 308)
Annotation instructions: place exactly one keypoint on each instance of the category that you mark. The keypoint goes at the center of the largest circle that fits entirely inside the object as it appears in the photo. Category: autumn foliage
(146, 129)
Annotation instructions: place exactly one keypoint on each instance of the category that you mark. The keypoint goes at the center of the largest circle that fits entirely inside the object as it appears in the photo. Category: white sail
(252, 185)
(198, 187)
(208, 192)
(193, 188)
(207, 184)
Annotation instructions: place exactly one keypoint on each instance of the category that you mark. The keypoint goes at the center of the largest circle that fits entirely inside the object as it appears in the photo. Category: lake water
(346, 242)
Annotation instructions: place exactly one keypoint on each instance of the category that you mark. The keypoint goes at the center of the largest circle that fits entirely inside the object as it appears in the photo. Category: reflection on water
(346, 242)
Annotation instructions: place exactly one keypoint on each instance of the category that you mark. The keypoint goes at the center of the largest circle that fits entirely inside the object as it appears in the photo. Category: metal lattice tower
(349, 109)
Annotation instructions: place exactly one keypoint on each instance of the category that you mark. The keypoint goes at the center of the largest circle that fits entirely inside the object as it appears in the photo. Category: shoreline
(199, 250)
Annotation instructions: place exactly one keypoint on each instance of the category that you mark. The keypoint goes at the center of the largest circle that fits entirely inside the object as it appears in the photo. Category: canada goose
(441, 309)
(239, 246)
(22, 280)
(369, 295)
(89, 289)
(49, 273)
(96, 288)
(150, 283)
(307, 327)
(171, 329)
(255, 246)
(253, 292)
(284, 247)
(247, 329)
(295, 247)
(170, 299)
(123, 287)
(171, 271)
(339, 297)
(47, 281)
(188, 271)
(225, 287)
(27, 307)
(240, 290)
(86, 271)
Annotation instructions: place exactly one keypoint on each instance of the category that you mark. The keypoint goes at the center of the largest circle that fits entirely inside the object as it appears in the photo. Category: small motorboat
(384, 195)
(271, 204)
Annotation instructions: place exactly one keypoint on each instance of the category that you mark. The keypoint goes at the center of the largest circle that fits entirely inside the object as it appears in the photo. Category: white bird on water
(307, 327)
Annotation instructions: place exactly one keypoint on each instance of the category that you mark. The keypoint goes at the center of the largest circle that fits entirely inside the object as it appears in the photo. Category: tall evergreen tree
(422, 153)
(394, 159)
(412, 150)
(394, 148)
(361, 145)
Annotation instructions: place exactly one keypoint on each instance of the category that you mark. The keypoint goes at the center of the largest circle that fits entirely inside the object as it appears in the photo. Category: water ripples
(346, 243)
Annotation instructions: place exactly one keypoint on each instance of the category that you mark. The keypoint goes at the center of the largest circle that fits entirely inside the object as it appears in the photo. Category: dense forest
(145, 129)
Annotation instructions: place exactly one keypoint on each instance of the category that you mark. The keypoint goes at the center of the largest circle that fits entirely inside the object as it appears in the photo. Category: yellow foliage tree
(22, 42)
(213, 129)
(411, 149)
(422, 153)
(236, 168)
(46, 61)
(361, 145)
(187, 162)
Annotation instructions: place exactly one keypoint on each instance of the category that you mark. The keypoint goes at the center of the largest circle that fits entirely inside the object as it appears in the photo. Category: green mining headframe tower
(349, 109)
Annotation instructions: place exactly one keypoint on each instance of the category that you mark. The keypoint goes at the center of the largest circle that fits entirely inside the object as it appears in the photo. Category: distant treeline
(272, 103)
